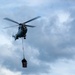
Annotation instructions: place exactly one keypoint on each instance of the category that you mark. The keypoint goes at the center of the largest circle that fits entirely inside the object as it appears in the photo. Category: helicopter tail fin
(14, 37)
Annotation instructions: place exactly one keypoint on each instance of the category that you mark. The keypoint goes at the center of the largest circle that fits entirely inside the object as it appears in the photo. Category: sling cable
(24, 61)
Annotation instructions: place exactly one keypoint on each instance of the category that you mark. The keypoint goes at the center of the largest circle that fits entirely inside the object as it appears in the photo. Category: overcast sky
(49, 47)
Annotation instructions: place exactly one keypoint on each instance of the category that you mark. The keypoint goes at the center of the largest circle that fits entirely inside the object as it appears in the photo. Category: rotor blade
(11, 20)
(32, 19)
(9, 27)
(29, 26)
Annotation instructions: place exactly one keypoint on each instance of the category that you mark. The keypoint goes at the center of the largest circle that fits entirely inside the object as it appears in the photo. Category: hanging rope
(23, 48)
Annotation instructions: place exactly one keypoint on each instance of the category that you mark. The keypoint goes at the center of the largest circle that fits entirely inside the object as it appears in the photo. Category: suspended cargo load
(24, 63)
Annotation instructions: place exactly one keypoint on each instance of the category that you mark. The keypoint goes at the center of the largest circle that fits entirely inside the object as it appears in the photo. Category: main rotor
(24, 23)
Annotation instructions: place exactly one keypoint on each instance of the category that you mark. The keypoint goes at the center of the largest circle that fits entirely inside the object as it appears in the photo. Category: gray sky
(49, 47)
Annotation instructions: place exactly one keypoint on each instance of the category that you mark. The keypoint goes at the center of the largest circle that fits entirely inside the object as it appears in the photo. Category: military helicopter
(22, 29)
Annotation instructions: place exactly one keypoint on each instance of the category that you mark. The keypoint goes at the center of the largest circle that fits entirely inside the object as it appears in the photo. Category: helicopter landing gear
(24, 37)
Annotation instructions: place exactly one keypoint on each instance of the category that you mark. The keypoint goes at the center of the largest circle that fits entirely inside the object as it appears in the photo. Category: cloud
(52, 38)
(5, 45)
(63, 67)
(60, 67)
(58, 23)
(5, 71)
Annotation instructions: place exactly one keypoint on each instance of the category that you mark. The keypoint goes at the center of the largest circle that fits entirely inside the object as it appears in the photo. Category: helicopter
(22, 27)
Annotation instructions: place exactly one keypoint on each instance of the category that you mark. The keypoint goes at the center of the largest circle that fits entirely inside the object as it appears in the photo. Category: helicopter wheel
(24, 37)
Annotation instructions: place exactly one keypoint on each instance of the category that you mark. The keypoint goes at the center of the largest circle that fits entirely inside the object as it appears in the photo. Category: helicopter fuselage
(22, 30)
